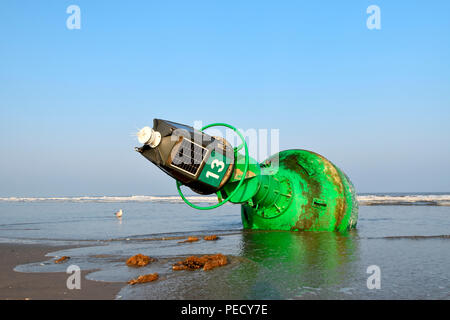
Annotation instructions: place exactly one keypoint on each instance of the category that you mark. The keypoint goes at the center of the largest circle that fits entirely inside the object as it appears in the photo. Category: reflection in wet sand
(288, 262)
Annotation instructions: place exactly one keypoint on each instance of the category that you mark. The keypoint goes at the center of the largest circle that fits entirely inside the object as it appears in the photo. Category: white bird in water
(119, 214)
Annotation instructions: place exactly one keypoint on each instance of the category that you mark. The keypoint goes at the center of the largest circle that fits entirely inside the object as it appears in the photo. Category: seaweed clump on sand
(207, 262)
(139, 260)
(190, 239)
(62, 259)
(211, 238)
(144, 279)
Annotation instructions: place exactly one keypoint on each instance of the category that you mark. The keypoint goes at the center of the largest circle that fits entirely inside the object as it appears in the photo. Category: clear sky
(374, 102)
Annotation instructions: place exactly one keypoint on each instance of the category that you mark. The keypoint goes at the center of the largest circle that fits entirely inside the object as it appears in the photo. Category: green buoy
(295, 190)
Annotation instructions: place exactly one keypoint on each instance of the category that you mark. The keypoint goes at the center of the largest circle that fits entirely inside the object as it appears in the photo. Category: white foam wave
(364, 200)
(174, 199)
(433, 200)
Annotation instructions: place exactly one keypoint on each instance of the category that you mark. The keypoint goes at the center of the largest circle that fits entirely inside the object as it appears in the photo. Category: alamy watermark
(374, 20)
(374, 280)
(74, 280)
(262, 144)
(74, 20)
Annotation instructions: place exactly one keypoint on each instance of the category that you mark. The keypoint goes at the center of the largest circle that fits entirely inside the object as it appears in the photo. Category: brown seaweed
(207, 262)
(144, 279)
(139, 260)
(211, 238)
(62, 259)
(190, 239)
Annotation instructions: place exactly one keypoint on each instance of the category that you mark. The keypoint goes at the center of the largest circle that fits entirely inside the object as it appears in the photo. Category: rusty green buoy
(295, 190)
(304, 192)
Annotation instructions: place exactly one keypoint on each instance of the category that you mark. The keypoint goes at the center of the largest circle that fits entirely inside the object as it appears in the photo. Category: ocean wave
(416, 199)
(169, 199)
(363, 200)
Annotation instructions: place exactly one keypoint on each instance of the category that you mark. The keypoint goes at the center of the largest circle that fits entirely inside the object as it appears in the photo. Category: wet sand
(408, 244)
(44, 286)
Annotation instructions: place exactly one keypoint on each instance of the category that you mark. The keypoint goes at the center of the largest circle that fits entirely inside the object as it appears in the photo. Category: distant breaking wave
(364, 200)
(404, 199)
(175, 199)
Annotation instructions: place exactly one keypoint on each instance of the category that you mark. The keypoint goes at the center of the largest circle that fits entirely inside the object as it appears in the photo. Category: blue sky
(374, 102)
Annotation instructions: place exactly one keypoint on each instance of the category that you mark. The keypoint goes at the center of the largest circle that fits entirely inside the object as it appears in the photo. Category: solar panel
(189, 157)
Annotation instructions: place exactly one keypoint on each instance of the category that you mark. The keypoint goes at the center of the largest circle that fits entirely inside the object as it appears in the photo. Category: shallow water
(410, 244)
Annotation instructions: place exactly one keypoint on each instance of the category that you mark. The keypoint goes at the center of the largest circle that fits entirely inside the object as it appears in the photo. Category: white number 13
(214, 164)
(217, 163)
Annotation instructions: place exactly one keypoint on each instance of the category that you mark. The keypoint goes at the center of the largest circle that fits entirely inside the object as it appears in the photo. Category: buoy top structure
(295, 190)
(149, 136)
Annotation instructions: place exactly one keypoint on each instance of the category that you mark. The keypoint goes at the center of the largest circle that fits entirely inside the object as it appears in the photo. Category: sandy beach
(44, 286)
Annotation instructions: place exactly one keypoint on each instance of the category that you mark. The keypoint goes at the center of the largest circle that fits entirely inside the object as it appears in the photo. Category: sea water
(405, 237)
